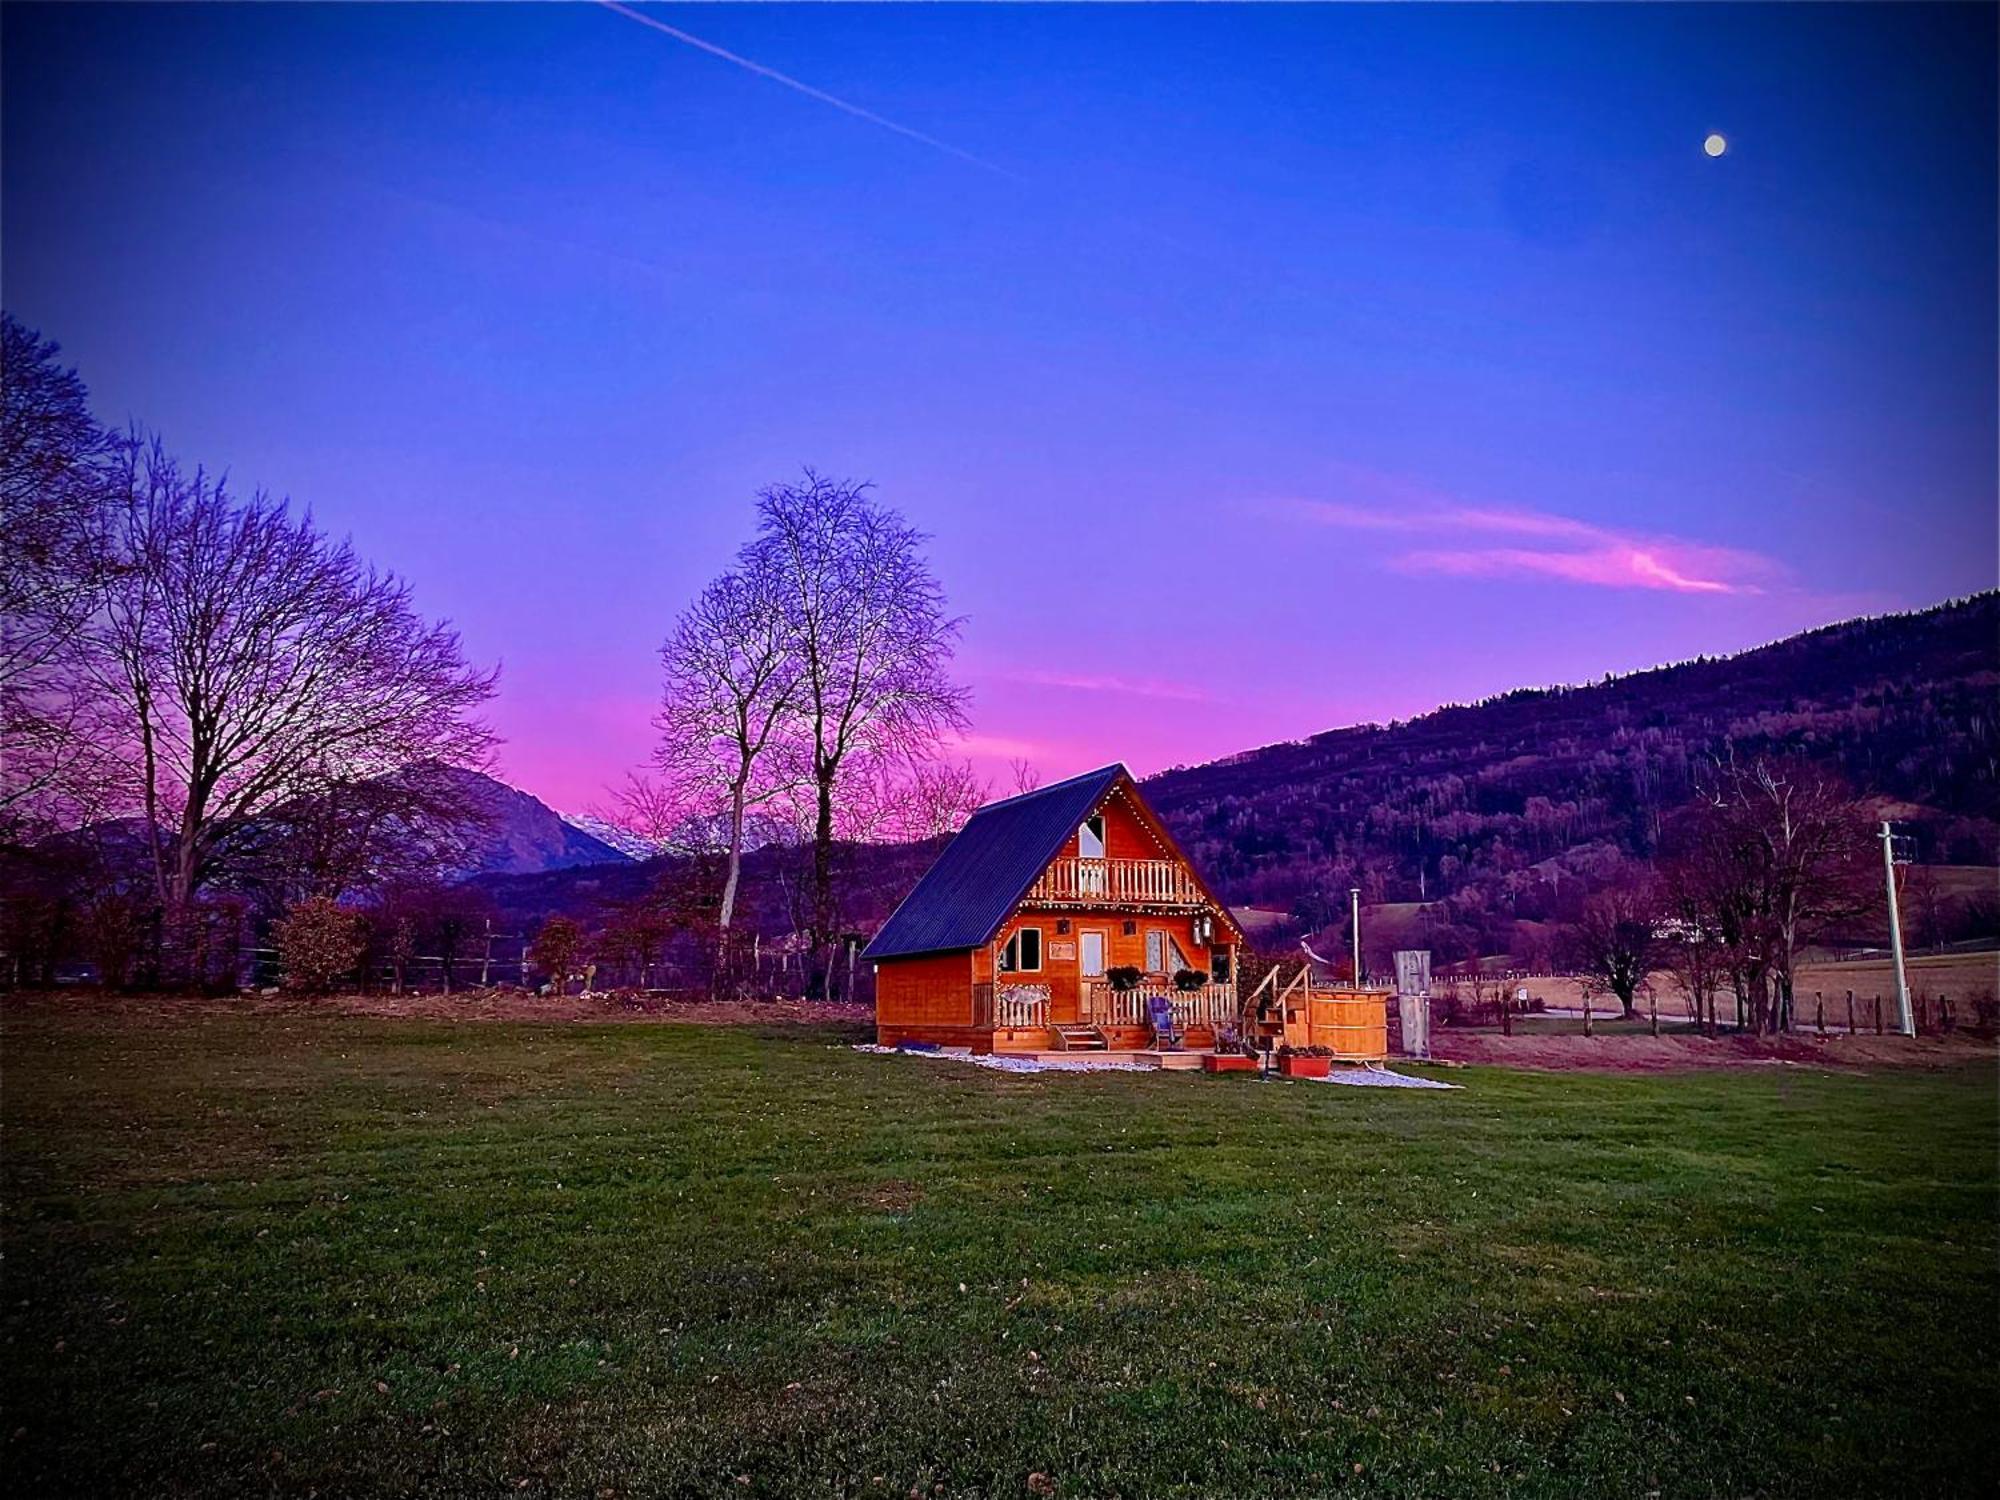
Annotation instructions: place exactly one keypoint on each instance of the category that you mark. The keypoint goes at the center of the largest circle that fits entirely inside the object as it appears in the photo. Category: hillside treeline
(1511, 810)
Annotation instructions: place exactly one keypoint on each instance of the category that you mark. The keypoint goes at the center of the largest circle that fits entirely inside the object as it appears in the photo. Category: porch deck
(1025, 1019)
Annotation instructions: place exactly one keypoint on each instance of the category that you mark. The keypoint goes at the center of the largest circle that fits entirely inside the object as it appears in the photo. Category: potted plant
(1123, 978)
(1189, 979)
(1304, 1062)
(1231, 1055)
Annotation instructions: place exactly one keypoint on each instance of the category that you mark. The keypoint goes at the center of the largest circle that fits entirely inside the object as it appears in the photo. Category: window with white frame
(1023, 953)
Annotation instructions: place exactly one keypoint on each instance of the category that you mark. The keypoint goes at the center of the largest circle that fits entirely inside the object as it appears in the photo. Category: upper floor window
(1023, 953)
(1090, 837)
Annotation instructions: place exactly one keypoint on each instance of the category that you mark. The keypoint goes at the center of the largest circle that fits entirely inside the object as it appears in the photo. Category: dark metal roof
(984, 872)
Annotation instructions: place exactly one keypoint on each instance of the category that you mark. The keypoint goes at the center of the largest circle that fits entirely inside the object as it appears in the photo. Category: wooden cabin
(1007, 942)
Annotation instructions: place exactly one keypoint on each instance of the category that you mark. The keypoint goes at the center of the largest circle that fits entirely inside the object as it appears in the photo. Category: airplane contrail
(807, 89)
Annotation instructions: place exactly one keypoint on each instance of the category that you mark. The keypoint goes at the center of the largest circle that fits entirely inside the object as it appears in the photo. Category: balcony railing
(1134, 882)
(1213, 1005)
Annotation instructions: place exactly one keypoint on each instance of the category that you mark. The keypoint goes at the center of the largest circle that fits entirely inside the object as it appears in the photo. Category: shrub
(555, 951)
(1189, 979)
(1124, 977)
(319, 942)
(113, 932)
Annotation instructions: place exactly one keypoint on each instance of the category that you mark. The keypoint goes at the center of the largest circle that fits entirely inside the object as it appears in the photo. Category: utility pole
(1354, 918)
(1903, 1022)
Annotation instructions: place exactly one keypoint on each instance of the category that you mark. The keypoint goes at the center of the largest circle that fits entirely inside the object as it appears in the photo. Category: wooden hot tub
(1354, 1024)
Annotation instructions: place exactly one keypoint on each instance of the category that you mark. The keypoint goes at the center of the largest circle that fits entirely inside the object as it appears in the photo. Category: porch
(1023, 1017)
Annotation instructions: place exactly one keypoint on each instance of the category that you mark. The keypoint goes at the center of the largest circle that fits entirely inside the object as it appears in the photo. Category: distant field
(1962, 976)
(286, 1253)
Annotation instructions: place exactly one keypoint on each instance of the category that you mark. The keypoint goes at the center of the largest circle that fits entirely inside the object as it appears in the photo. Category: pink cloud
(1137, 687)
(1597, 556)
(1603, 567)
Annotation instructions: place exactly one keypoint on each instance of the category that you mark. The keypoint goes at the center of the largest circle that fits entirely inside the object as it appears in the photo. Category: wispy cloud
(750, 66)
(995, 747)
(1539, 544)
(1134, 687)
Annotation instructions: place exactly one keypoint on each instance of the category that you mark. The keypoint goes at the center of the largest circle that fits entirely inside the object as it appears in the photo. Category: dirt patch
(895, 1196)
(1664, 1054)
(471, 1005)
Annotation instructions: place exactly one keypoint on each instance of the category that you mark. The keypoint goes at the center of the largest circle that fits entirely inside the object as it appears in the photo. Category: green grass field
(287, 1253)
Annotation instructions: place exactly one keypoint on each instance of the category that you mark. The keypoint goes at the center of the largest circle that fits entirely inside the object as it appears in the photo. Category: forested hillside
(1506, 808)
(1502, 815)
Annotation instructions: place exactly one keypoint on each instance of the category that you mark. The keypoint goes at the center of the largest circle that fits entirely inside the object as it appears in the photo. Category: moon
(1715, 145)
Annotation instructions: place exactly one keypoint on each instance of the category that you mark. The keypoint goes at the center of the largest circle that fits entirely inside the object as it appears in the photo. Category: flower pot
(1304, 1067)
(1215, 1063)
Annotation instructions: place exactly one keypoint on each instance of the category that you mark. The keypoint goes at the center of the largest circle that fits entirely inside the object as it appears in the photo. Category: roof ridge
(1054, 786)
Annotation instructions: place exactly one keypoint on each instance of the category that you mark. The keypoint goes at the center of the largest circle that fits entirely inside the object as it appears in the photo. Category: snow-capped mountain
(624, 840)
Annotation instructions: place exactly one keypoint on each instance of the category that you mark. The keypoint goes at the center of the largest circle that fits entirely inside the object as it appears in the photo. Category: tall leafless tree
(1614, 943)
(1693, 947)
(867, 623)
(58, 469)
(254, 663)
(733, 686)
(1781, 852)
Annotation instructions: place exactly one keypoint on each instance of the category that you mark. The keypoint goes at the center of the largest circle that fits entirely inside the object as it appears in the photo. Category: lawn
(287, 1252)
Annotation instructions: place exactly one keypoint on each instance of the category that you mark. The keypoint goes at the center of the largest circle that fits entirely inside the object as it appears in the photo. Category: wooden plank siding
(928, 999)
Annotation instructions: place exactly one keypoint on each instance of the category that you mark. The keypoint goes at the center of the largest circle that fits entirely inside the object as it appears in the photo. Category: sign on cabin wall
(1062, 950)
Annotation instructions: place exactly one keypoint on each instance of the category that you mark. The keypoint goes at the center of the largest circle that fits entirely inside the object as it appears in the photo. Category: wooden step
(1079, 1038)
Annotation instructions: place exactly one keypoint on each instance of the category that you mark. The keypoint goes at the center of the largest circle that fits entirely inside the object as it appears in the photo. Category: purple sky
(1255, 370)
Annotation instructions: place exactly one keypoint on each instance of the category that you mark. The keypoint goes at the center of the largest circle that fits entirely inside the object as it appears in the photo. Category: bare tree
(906, 799)
(416, 826)
(1693, 948)
(1926, 896)
(1025, 777)
(254, 663)
(57, 470)
(1780, 851)
(1614, 943)
(866, 622)
(733, 684)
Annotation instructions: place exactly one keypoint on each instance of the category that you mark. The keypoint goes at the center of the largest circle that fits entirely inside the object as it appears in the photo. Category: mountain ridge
(1495, 814)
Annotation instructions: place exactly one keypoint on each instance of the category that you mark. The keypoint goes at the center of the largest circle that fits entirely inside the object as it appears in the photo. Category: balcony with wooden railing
(1116, 882)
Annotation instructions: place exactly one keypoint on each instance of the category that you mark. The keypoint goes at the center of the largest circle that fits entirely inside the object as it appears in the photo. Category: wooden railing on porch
(1137, 882)
(1213, 1005)
(1010, 1006)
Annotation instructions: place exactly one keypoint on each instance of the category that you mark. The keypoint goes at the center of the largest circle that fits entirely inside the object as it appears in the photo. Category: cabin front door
(1089, 967)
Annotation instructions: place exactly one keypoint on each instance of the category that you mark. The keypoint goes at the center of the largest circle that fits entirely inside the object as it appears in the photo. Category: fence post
(1653, 1000)
(1878, 1015)
(1850, 1012)
(1819, 1014)
(486, 962)
(1944, 1013)
(1586, 1013)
